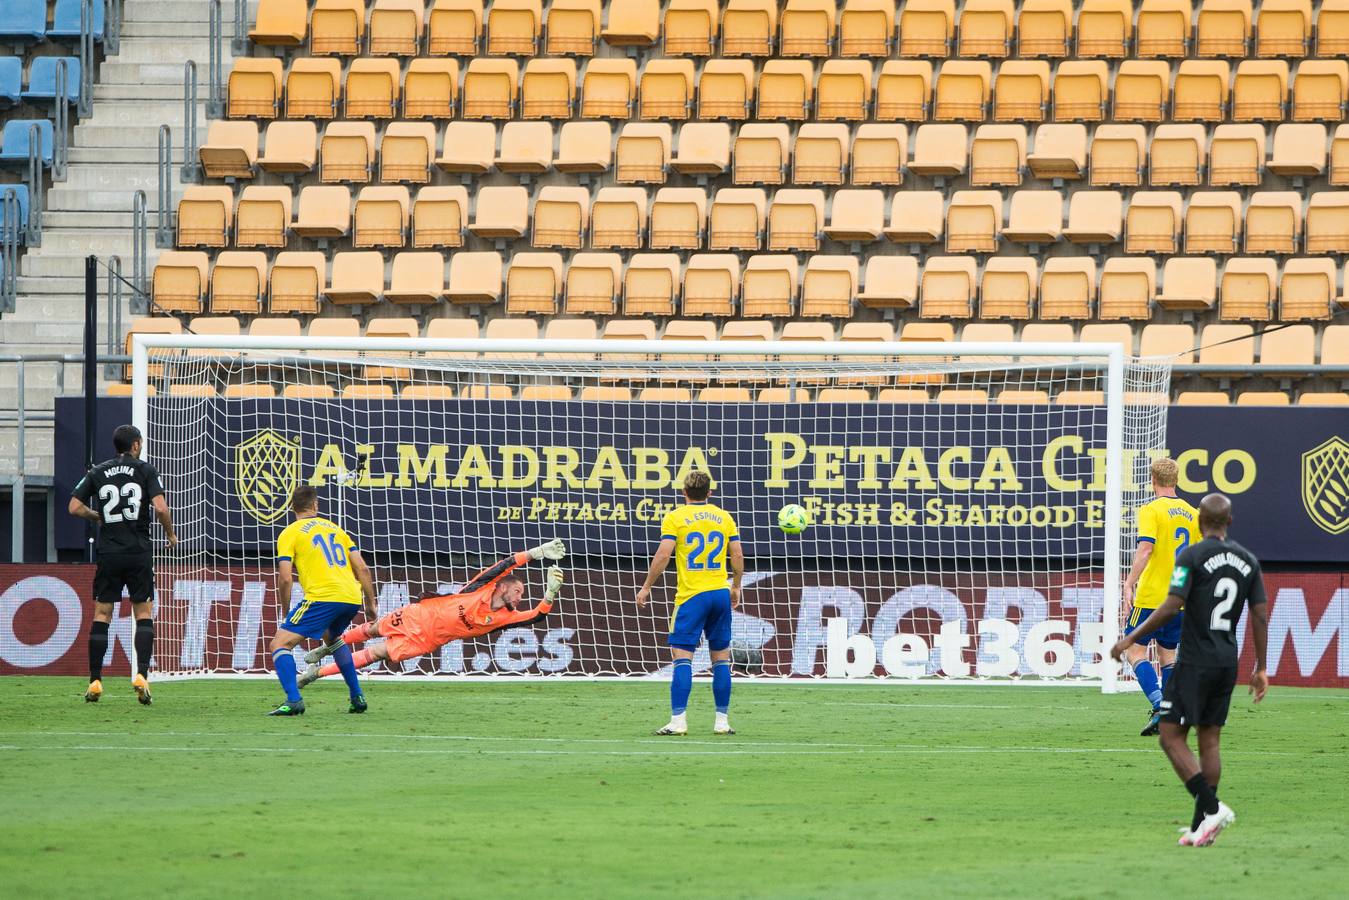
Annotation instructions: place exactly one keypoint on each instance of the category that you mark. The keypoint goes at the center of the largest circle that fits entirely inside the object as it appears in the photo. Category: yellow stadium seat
(948, 288)
(308, 392)
(844, 395)
(1060, 152)
(1328, 222)
(382, 216)
(561, 216)
(829, 286)
(843, 92)
(609, 89)
(526, 148)
(548, 89)
(1320, 90)
(262, 216)
(231, 149)
(406, 152)
(1024, 398)
(1262, 398)
(857, 215)
(1095, 217)
(395, 27)
(1117, 155)
(295, 281)
(736, 222)
(427, 392)
(573, 27)
(665, 90)
(866, 28)
(796, 220)
(726, 89)
(917, 217)
(927, 28)
(454, 27)
(1228, 345)
(632, 23)
(1213, 222)
(806, 28)
(1105, 29)
(986, 28)
(280, 23)
(469, 148)
(439, 216)
(313, 88)
(1260, 90)
(870, 333)
(324, 212)
(501, 212)
(490, 88)
(1044, 28)
(417, 277)
(643, 153)
(513, 27)
(357, 277)
(475, 278)
(786, 90)
(205, 216)
(1306, 290)
(768, 287)
(1163, 29)
(904, 91)
(1008, 288)
(1021, 91)
(879, 153)
(1223, 28)
(430, 89)
(678, 219)
(1323, 398)
(254, 88)
(1067, 288)
(890, 282)
(180, 280)
(1236, 155)
(1177, 155)
(1035, 217)
(1339, 157)
(1201, 91)
(748, 26)
(650, 286)
(704, 149)
(618, 218)
(1142, 89)
(290, 148)
(1283, 28)
(347, 152)
(940, 150)
(1299, 150)
(761, 152)
(1332, 28)
(585, 148)
(1102, 333)
(724, 395)
(1203, 398)
(1153, 221)
(533, 283)
(357, 391)
(1246, 291)
(336, 27)
(1293, 346)
(973, 222)
(593, 281)
(1188, 283)
(1176, 341)
(690, 27)
(962, 91)
(1128, 287)
(998, 155)
(711, 282)
(1081, 88)
(248, 391)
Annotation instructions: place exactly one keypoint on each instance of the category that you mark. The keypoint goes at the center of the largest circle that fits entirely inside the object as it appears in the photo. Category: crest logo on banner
(1325, 484)
(267, 469)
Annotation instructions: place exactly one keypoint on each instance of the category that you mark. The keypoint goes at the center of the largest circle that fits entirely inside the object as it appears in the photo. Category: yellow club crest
(267, 470)
(1325, 484)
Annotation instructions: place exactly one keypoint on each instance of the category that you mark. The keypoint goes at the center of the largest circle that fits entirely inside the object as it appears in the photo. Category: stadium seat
(1223, 28)
(1323, 398)
(1105, 29)
(1335, 345)
(231, 149)
(866, 28)
(382, 216)
(632, 23)
(1188, 284)
(879, 154)
(1095, 217)
(1201, 91)
(736, 221)
(962, 91)
(455, 329)
(704, 149)
(678, 219)
(280, 23)
(829, 286)
(25, 21)
(1102, 333)
(526, 148)
(324, 212)
(358, 391)
(1023, 398)
(585, 148)
(295, 281)
(548, 89)
(179, 281)
(572, 330)
(262, 216)
(254, 88)
(490, 88)
(761, 152)
(592, 285)
(1128, 287)
(336, 27)
(618, 218)
(1307, 289)
(1008, 288)
(917, 217)
(454, 27)
(1222, 345)
(390, 327)
(287, 326)
(416, 277)
(1320, 90)
(665, 89)
(395, 27)
(1117, 155)
(1213, 222)
(1021, 91)
(744, 330)
(927, 28)
(1246, 291)
(1081, 89)
(973, 222)
(1299, 150)
(643, 153)
(1152, 223)
(843, 92)
(985, 28)
(1163, 29)
(514, 27)
(748, 27)
(1328, 222)
(252, 391)
(561, 217)
(1060, 152)
(940, 150)
(1203, 398)
(947, 288)
(890, 282)
(469, 148)
(726, 89)
(650, 286)
(1034, 217)
(1177, 155)
(856, 215)
(796, 220)
(1236, 155)
(1263, 398)
(372, 89)
(347, 152)
(1176, 341)
(690, 27)
(609, 89)
(1283, 28)
(533, 283)
(345, 327)
(998, 155)
(844, 395)
(1339, 157)
(806, 28)
(313, 88)
(1260, 91)
(42, 79)
(904, 91)
(357, 277)
(290, 148)
(1143, 88)
(308, 392)
(769, 286)
(785, 90)
(11, 81)
(407, 150)
(1067, 288)
(430, 89)
(1273, 222)
(711, 283)
(501, 212)
(867, 332)
(205, 216)
(475, 278)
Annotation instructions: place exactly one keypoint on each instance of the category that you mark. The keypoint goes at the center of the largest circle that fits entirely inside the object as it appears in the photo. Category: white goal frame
(1112, 357)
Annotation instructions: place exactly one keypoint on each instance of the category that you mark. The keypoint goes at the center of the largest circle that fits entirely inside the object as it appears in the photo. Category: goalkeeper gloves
(555, 579)
(554, 549)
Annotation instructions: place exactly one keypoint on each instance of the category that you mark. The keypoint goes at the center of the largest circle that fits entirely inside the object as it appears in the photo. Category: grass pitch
(559, 790)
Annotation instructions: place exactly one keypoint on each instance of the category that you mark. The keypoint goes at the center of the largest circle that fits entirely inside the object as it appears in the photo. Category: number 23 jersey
(702, 533)
(1215, 578)
(121, 490)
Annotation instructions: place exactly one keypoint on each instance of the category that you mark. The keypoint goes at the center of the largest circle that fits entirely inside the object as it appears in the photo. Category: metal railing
(112, 28)
(10, 214)
(140, 237)
(215, 107)
(61, 120)
(164, 213)
(87, 58)
(191, 171)
(114, 301)
(239, 45)
(37, 188)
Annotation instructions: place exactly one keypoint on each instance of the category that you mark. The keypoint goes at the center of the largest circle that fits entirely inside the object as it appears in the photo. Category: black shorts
(1198, 695)
(134, 571)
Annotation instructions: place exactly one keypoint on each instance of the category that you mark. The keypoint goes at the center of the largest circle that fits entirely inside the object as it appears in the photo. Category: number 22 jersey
(702, 533)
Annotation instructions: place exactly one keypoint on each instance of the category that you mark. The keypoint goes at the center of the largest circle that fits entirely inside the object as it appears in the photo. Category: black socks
(98, 646)
(145, 644)
(1205, 799)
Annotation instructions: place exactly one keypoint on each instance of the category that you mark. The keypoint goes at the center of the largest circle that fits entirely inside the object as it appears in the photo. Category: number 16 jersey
(1215, 578)
(702, 533)
(319, 550)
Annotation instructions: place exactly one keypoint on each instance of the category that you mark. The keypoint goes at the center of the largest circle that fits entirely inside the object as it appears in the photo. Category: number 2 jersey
(1169, 524)
(702, 533)
(1216, 579)
(319, 550)
(121, 491)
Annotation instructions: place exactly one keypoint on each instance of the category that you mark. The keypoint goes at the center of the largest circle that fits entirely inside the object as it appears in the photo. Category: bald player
(1212, 579)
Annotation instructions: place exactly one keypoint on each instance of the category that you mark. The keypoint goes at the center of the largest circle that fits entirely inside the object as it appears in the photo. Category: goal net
(967, 501)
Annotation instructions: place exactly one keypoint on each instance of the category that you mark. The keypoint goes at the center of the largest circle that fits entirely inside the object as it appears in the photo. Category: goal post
(968, 500)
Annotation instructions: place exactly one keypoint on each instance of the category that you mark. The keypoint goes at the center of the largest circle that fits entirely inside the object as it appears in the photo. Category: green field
(549, 789)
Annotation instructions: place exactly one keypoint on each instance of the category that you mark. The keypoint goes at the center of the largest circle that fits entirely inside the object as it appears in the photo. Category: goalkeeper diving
(490, 602)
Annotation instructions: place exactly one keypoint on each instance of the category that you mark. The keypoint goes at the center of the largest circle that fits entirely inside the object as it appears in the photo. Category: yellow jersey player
(705, 542)
(1166, 526)
(334, 579)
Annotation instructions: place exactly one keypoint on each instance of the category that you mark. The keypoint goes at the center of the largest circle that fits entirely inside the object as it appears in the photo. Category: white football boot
(1213, 824)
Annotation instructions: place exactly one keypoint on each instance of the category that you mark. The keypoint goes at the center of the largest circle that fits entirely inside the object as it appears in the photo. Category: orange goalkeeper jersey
(423, 627)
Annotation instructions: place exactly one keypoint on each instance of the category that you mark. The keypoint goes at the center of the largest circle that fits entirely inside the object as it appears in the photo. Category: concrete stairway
(113, 154)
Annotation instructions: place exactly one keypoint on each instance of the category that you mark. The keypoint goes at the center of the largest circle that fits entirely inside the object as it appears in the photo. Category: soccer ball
(793, 519)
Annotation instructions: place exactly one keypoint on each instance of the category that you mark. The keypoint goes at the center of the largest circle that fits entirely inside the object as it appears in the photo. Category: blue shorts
(313, 619)
(1168, 636)
(706, 613)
